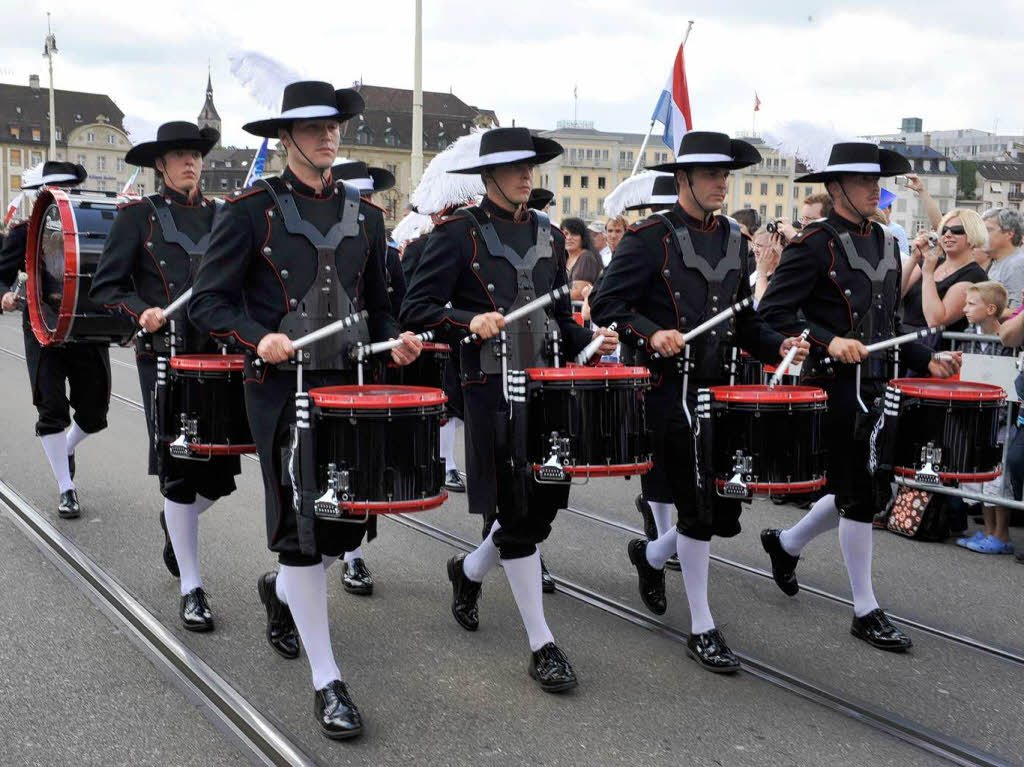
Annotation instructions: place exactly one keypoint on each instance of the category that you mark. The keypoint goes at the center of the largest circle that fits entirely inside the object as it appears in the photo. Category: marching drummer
(843, 274)
(149, 260)
(52, 370)
(670, 273)
(291, 255)
(488, 260)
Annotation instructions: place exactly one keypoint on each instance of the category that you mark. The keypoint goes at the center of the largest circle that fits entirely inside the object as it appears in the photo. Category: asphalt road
(434, 694)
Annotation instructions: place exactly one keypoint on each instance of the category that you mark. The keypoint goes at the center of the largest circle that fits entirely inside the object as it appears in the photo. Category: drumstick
(896, 341)
(522, 311)
(787, 360)
(171, 308)
(591, 349)
(718, 319)
(19, 285)
(326, 330)
(386, 346)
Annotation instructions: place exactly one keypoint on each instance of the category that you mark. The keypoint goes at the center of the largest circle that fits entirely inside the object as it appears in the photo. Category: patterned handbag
(918, 514)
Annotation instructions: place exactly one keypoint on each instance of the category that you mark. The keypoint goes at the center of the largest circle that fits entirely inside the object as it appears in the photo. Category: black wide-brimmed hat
(860, 157)
(366, 179)
(540, 199)
(714, 150)
(664, 194)
(53, 173)
(510, 146)
(309, 100)
(170, 136)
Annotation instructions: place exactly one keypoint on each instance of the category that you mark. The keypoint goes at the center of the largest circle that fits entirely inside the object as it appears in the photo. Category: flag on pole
(128, 186)
(757, 103)
(13, 207)
(256, 166)
(673, 109)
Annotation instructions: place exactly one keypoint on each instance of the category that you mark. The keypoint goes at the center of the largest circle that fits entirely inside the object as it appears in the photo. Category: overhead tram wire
(891, 723)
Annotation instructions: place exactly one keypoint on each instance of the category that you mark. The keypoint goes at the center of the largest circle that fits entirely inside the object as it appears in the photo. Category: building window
(37, 157)
(763, 209)
(142, 190)
(808, 191)
(600, 182)
(60, 134)
(80, 159)
(604, 154)
(202, 183)
(15, 157)
(748, 187)
(783, 163)
(90, 137)
(238, 183)
(120, 164)
(15, 131)
(780, 189)
(764, 187)
(778, 211)
(796, 214)
(16, 182)
(566, 182)
(37, 135)
(565, 205)
(600, 204)
(101, 162)
(584, 182)
(442, 141)
(392, 169)
(796, 193)
(362, 135)
(111, 139)
(223, 183)
(584, 207)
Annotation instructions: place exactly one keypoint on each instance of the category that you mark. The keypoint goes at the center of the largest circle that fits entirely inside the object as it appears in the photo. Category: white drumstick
(591, 349)
(522, 311)
(171, 308)
(897, 341)
(327, 330)
(718, 319)
(787, 360)
(386, 346)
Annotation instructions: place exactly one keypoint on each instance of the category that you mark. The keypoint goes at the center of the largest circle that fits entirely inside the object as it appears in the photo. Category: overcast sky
(859, 67)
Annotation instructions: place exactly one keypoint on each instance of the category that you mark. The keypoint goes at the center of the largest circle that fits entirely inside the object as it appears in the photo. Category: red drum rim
(69, 295)
(949, 476)
(221, 449)
(395, 507)
(604, 470)
(209, 362)
(943, 389)
(587, 373)
(435, 346)
(376, 396)
(764, 394)
(780, 488)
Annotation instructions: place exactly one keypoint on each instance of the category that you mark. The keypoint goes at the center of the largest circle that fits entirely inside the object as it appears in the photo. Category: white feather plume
(635, 190)
(809, 142)
(439, 189)
(32, 177)
(264, 77)
(409, 228)
(139, 128)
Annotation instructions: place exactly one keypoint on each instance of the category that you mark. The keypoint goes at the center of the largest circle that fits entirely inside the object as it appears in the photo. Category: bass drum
(66, 236)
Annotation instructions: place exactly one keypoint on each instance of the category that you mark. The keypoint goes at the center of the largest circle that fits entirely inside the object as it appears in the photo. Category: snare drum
(65, 239)
(587, 421)
(946, 430)
(205, 411)
(426, 370)
(377, 449)
(766, 441)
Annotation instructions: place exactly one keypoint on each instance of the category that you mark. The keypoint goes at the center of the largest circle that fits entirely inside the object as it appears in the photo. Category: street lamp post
(417, 101)
(50, 48)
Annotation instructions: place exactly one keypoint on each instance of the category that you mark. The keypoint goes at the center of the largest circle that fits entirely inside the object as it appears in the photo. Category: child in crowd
(984, 305)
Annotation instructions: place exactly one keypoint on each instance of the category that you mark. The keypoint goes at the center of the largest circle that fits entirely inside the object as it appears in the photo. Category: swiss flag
(757, 103)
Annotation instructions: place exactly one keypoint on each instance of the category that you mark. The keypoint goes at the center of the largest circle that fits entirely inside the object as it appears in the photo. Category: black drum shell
(967, 432)
(216, 400)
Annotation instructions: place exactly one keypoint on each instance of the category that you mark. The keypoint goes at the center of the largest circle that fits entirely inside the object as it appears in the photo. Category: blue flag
(256, 168)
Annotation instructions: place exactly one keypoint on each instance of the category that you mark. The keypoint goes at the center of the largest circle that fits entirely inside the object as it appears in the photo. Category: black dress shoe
(356, 578)
(195, 611)
(650, 529)
(547, 583)
(1019, 556)
(335, 712)
(875, 629)
(783, 563)
(68, 507)
(71, 465)
(170, 560)
(281, 631)
(710, 651)
(650, 580)
(552, 670)
(453, 481)
(465, 595)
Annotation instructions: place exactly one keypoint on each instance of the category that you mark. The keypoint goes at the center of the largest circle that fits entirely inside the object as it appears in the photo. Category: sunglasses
(957, 230)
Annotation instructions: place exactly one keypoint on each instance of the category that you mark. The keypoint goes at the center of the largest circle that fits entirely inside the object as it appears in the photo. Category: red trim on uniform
(942, 390)
(395, 507)
(642, 225)
(235, 334)
(375, 397)
(756, 394)
(849, 306)
(637, 332)
(588, 373)
(123, 205)
(156, 263)
(243, 195)
(948, 476)
(483, 285)
(216, 363)
(668, 285)
(284, 290)
(780, 488)
(123, 306)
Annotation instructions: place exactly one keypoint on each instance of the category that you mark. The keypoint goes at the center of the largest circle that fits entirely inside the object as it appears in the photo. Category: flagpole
(650, 128)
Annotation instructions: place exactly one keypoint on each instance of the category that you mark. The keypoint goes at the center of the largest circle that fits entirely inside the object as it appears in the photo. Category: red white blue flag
(673, 109)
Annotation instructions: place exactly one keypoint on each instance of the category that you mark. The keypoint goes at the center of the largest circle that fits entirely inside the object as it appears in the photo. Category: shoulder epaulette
(643, 224)
(372, 204)
(806, 232)
(130, 203)
(241, 195)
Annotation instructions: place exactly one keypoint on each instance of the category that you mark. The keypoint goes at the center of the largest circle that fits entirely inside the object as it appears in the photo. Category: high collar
(172, 195)
(841, 222)
(495, 210)
(305, 190)
(694, 223)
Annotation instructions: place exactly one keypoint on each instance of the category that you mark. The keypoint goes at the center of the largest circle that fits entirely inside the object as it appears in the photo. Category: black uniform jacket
(396, 279)
(12, 260)
(646, 288)
(815, 277)
(254, 273)
(411, 256)
(455, 267)
(138, 268)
